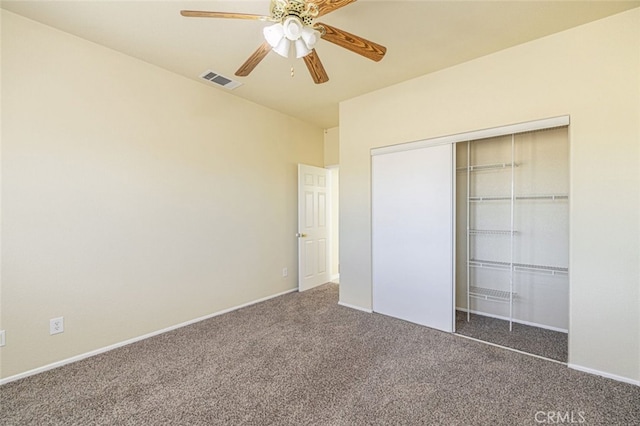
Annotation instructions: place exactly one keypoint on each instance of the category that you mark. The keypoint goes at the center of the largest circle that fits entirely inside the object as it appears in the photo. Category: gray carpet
(301, 359)
(533, 340)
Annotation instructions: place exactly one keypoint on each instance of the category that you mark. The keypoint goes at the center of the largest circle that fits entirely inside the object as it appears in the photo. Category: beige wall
(591, 72)
(335, 222)
(332, 147)
(133, 199)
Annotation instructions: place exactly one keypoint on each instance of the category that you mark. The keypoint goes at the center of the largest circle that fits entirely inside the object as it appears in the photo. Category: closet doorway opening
(512, 241)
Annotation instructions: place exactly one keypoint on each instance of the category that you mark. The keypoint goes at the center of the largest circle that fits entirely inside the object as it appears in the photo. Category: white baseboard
(500, 317)
(604, 374)
(133, 340)
(358, 308)
(335, 278)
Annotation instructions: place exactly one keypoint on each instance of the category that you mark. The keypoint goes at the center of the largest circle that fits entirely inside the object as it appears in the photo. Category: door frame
(334, 209)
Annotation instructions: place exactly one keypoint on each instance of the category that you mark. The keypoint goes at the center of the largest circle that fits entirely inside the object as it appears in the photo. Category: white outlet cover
(2, 341)
(56, 325)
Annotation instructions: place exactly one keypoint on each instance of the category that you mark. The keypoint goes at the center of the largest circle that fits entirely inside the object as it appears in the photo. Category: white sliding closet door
(413, 235)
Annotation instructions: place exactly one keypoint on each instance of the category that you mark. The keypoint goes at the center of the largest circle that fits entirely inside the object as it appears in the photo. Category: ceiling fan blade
(326, 6)
(356, 44)
(315, 67)
(257, 56)
(204, 14)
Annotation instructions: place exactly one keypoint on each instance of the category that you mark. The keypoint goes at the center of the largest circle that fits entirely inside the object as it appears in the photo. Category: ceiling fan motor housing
(282, 9)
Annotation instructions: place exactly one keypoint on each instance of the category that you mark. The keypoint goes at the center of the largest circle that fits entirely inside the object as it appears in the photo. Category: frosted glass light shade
(310, 36)
(301, 48)
(292, 28)
(282, 48)
(273, 34)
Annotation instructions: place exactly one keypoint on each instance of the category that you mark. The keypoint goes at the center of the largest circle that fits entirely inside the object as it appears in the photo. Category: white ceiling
(421, 37)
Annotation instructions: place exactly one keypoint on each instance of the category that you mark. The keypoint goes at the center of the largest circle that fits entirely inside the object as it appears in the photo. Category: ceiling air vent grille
(219, 80)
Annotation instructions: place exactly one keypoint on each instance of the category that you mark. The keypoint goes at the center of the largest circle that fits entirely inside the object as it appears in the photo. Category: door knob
(301, 235)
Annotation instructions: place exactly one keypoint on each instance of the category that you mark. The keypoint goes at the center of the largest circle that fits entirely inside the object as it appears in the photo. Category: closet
(512, 219)
(510, 233)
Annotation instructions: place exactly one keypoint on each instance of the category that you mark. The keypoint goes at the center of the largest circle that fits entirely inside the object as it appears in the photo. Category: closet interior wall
(512, 227)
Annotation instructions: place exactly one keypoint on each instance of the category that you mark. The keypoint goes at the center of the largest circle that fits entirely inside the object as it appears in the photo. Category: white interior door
(413, 236)
(313, 224)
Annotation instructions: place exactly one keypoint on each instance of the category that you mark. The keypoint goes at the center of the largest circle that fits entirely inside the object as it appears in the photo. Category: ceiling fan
(296, 32)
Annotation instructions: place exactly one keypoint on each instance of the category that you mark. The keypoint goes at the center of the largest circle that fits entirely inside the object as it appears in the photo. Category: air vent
(219, 80)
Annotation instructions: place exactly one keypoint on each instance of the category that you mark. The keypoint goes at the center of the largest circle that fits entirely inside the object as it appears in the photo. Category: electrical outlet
(56, 325)
(285, 272)
(2, 341)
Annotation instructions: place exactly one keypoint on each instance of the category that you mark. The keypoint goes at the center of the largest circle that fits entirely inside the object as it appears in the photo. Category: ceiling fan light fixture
(273, 34)
(283, 47)
(280, 35)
